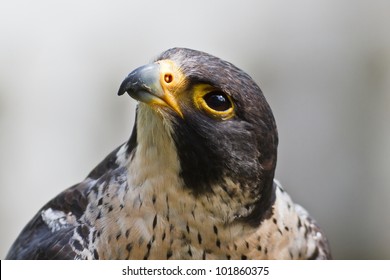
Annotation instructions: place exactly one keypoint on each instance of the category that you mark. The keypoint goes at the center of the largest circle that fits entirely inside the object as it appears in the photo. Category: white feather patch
(121, 157)
(56, 219)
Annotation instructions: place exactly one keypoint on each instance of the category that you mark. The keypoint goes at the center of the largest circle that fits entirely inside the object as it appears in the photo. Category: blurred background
(324, 67)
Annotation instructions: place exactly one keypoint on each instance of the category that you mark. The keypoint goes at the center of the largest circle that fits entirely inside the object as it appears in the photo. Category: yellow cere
(171, 77)
(172, 81)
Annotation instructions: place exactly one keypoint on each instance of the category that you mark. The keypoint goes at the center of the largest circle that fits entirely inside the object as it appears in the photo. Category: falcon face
(194, 181)
(223, 130)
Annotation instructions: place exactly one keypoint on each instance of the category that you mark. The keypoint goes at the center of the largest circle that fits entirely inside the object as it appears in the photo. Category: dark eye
(217, 101)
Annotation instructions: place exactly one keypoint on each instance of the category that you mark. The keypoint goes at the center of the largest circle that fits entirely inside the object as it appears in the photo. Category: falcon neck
(151, 146)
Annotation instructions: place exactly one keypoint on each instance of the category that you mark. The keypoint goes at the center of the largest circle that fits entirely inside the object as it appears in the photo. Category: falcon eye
(213, 102)
(217, 101)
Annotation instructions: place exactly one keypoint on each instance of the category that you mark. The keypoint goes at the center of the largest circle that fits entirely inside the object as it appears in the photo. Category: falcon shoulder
(58, 230)
(306, 238)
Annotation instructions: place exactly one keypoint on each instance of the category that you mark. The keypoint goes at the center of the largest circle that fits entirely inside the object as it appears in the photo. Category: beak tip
(123, 88)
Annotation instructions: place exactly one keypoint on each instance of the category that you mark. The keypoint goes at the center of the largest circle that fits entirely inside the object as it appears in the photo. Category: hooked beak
(152, 84)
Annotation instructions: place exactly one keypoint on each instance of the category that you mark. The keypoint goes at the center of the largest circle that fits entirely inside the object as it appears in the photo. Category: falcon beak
(154, 84)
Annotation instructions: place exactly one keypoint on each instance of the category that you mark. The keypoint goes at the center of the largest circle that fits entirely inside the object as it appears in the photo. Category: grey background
(324, 67)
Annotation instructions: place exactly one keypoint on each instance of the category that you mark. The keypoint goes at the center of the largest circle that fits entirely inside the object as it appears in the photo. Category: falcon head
(218, 120)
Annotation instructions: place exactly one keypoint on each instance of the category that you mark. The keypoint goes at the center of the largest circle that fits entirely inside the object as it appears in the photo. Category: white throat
(159, 212)
(155, 155)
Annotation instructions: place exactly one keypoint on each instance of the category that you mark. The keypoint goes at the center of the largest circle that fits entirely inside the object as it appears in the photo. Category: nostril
(168, 78)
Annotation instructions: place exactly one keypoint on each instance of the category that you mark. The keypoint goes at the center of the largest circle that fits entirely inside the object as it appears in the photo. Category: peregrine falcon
(194, 181)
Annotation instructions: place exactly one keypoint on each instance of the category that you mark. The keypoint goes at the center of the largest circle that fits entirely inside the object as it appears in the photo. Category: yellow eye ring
(213, 102)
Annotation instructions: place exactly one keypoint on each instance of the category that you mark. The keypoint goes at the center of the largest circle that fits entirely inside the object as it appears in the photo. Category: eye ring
(217, 101)
(213, 102)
